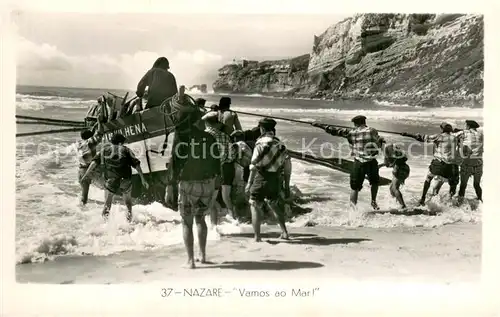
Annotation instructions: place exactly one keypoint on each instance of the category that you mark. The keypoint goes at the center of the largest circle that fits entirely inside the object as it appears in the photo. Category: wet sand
(448, 254)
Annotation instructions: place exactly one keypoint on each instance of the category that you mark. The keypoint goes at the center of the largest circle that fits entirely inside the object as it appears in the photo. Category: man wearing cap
(226, 160)
(445, 161)
(161, 83)
(265, 181)
(365, 145)
(227, 117)
(471, 141)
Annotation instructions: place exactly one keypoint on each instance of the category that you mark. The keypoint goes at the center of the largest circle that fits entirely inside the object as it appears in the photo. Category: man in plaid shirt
(213, 127)
(265, 182)
(365, 145)
(471, 141)
(445, 162)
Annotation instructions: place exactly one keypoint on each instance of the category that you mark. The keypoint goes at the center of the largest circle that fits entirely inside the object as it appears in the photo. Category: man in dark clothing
(196, 164)
(250, 137)
(161, 83)
(200, 102)
(117, 160)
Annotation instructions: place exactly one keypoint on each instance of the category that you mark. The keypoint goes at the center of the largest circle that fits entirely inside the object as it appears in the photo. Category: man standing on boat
(444, 163)
(117, 161)
(160, 81)
(265, 181)
(86, 152)
(227, 170)
(195, 165)
(365, 146)
(227, 117)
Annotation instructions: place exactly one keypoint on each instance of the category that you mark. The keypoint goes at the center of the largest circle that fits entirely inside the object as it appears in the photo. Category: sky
(115, 50)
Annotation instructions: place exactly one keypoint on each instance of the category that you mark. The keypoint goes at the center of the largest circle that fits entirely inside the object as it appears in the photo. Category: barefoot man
(86, 152)
(118, 161)
(472, 140)
(396, 158)
(265, 181)
(365, 145)
(195, 164)
(444, 163)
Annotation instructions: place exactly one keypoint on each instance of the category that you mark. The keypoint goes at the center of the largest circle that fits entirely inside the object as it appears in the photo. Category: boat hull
(145, 132)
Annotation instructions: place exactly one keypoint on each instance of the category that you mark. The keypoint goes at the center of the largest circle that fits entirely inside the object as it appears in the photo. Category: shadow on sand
(274, 265)
(297, 238)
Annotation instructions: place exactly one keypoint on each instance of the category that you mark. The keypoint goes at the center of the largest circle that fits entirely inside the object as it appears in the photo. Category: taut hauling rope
(304, 122)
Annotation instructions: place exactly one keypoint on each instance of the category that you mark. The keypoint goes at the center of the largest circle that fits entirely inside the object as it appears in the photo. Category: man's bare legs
(187, 235)
(354, 197)
(202, 229)
(277, 209)
(374, 192)
(107, 203)
(396, 193)
(256, 210)
(85, 192)
(214, 210)
(477, 186)
(127, 197)
(427, 185)
(226, 197)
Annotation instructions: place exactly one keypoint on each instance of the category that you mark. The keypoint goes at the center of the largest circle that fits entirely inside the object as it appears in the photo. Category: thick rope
(304, 122)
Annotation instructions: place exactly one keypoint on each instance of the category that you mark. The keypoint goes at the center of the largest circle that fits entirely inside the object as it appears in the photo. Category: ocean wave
(40, 104)
(46, 97)
(384, 103)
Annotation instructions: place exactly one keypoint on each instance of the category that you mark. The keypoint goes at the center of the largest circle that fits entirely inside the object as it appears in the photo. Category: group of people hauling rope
(201, 181)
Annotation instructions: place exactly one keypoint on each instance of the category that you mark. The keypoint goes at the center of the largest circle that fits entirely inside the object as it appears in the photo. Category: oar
(48, 132)
(50, 123)
(47, 119)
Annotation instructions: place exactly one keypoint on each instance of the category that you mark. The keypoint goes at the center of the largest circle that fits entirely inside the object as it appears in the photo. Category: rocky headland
(418, 59)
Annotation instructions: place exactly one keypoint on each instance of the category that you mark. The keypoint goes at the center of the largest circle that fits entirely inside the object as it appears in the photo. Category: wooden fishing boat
(147, 133)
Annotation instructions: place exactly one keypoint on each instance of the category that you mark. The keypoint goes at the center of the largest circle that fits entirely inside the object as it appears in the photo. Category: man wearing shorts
(472, 141)
(265, 181)
(396, 158)
(365, 145)
(117, 161)
(226, 156)
(196, 165)
(444, 163)
(86, 152)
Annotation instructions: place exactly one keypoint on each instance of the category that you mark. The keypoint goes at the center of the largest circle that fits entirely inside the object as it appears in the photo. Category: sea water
(50, 222)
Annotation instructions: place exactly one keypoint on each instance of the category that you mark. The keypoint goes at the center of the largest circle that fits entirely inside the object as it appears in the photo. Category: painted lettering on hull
(127, 131)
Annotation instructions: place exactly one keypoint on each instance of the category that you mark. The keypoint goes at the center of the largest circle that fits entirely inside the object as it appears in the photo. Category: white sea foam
(50, 222)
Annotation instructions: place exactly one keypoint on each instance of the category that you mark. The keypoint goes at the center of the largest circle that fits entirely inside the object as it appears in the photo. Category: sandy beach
(446, 254)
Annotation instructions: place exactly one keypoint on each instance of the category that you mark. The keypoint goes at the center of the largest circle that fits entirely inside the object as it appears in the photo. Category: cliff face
(424, 59)
(279, 77)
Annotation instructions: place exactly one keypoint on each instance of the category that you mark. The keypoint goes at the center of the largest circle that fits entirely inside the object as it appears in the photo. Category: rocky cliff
(419, 59)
